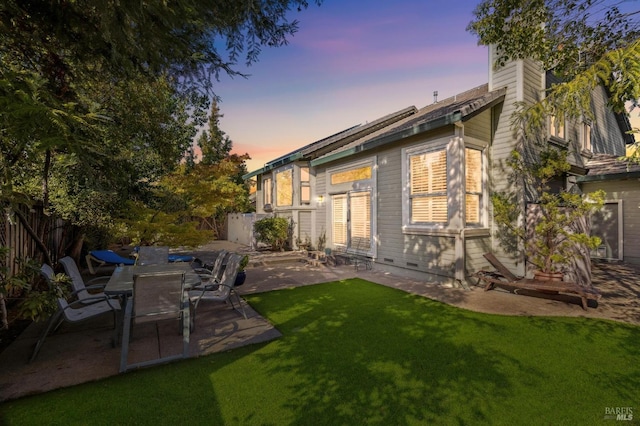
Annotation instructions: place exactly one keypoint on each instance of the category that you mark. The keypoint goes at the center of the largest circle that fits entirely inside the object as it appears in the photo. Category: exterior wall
(320, 226)
(629, 192)
(240, 228)
(524, 80)
(424, 256)
(429, 255)
(479, 127)
(475, 247)
(303, 215)
(305, 227)
(607, 137)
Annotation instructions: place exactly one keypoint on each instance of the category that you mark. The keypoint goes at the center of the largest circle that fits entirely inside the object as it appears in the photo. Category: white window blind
(428, 187)
(360, 219)
(473, 183)
(266, 190)
(339, 213)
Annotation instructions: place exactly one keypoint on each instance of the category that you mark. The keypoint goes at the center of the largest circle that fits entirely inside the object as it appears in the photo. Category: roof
(461, 107)
(330, 143)
(609, 167)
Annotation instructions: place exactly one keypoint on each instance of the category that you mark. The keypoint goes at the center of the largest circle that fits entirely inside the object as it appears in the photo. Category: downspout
(460, 254)
(459, 247)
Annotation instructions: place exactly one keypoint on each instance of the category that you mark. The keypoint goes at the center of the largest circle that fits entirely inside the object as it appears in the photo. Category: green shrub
(273, 231)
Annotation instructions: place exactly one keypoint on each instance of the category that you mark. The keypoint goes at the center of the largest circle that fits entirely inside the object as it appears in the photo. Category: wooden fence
(14, 234)
(57, 235)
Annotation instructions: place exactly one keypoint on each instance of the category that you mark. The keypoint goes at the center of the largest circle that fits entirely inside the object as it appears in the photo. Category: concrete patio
(83, 352)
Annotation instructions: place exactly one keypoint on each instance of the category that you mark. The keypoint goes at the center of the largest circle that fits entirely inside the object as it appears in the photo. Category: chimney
(435, 96)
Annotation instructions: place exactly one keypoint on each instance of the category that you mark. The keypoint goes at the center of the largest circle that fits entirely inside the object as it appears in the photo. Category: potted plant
(242, 274)
(556, 221)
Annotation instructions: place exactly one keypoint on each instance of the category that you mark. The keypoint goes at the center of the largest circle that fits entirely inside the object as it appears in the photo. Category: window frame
(348, 190)
(480, 194)
(267, 190)
(407, 153)
(276, 199)
(586, 137)
(557, 130)
(455, 148)
(305, 185)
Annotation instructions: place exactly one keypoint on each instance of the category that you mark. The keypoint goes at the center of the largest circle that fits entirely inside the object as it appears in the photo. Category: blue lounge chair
(180, 258)
(159, 251)
(106, 257)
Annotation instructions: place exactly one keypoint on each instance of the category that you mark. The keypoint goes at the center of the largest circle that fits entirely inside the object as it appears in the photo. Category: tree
(554, 234)
(585, 43)
(216, 147)
(73, 72)
(203, 191)
(214, 143)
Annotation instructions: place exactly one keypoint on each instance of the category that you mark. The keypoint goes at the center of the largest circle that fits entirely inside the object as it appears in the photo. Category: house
(411, 190)
(618, 223)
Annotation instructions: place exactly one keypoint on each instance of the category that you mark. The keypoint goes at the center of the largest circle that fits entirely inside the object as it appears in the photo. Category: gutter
(450, 118)
(612, 176)
(273, 165)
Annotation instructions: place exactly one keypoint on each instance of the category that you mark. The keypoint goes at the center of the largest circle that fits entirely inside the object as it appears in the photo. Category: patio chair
(156, 297)
(222, 291)
(105, 257)
(76, 311)
(152, 255)
(502, 276)
(81, 289)
(212, 275)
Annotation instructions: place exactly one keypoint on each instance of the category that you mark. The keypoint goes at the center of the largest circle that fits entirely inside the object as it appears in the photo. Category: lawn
(354, 352)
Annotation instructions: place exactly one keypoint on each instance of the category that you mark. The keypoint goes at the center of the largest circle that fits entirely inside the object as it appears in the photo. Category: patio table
(121, 281)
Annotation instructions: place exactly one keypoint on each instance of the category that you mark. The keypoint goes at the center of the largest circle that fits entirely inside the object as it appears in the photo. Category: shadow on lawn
(592, 344)
(385, 359)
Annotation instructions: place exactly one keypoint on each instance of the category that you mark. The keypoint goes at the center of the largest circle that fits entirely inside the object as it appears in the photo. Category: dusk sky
(350, 62)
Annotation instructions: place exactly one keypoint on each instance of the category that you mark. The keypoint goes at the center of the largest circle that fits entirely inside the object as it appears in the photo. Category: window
(284, 187)
(428, 187)
(339, 213)
(360, 203)
(266, 191)
(351, 219)
(586, 137)
(305, 186)
(352, 207)
(352, 175)
(473, 185)
(556, 127)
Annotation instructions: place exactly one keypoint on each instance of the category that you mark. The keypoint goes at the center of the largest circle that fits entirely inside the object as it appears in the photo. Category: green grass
(355, 352)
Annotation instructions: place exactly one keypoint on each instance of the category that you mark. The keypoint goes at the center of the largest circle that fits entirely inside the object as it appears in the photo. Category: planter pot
(240, 278)
(548, 276)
